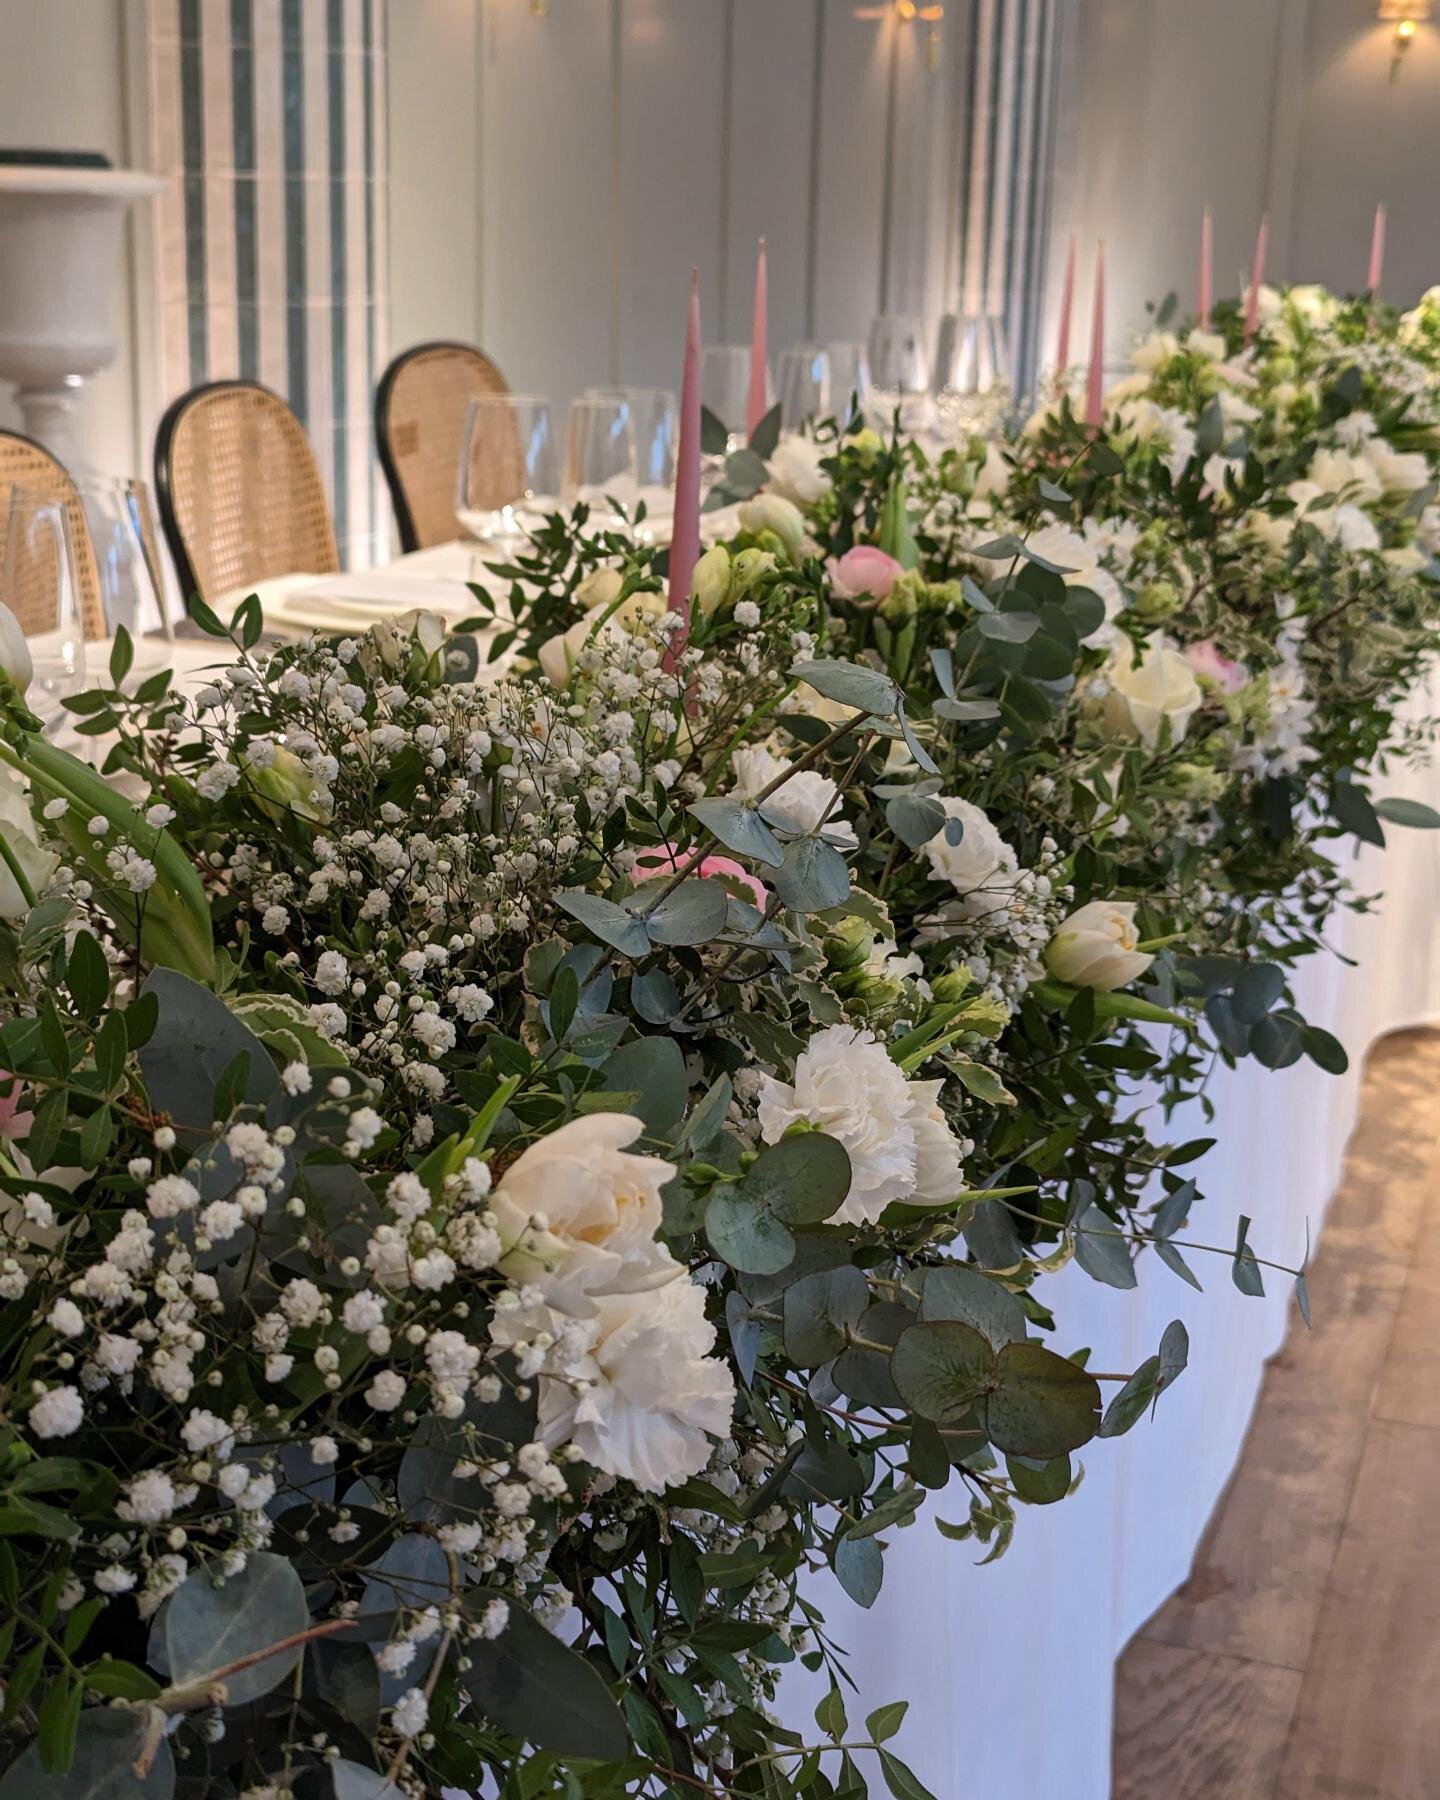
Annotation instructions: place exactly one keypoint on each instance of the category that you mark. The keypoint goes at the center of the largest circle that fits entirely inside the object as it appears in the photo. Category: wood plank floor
(1301, 1660)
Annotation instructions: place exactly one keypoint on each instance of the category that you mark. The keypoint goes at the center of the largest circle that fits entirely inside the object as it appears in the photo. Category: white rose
(772, 512)
(1399, 471)
(601, 1210)
(14, 650)
(993, 479)
(1070, 553)
(981, 867)
(899, 1144)
(1355, 528)
(1337, 471)
(1156, 350)
(800, 804)
(795, 472)
(655, 1397)
(560, 654)
(1146, 692)
(599, 588)
(1095, 947)
(18, 828)
(1207, 344)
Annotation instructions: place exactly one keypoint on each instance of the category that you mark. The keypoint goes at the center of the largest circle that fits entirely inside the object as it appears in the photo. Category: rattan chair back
(34, 595)
(239, 490)
(420, 409)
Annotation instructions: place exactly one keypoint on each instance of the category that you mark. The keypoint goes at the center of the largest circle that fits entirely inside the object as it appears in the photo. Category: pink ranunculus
(665, 861)
(1207, 663)
(13, 1122)
(864, 571)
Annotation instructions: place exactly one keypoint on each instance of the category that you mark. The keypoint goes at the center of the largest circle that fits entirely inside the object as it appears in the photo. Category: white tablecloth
(1009, 1670)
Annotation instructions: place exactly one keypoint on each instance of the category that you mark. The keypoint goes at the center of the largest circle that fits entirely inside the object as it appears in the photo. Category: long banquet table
(1009, 1669)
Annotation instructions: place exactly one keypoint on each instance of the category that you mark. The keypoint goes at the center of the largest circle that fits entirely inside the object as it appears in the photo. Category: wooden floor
(1302, 1657)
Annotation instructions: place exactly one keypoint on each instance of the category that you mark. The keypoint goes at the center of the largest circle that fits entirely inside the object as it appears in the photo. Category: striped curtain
(1009, 88)
(270, 115)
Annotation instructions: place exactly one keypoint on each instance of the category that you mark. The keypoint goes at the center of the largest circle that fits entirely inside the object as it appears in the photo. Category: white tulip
(1095, 947)
(599, 587)
(17, 826)
(1157, 688)
(14, 650)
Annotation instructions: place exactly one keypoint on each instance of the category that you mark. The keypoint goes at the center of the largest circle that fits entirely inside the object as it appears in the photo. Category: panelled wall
(891, 166)
(269, 118)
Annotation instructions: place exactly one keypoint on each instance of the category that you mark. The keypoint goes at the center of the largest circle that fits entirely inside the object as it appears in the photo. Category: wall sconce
(1405, 15)
(908, 12)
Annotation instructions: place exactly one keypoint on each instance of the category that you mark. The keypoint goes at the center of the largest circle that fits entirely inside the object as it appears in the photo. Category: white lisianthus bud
(14, 650)
(1096, 947)
(769, 512)
(1148, 691)
(18, 828)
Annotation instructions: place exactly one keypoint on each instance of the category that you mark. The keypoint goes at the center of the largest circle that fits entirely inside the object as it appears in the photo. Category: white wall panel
(547, 256)
(672, 136)
(771, 141)
(853, 106)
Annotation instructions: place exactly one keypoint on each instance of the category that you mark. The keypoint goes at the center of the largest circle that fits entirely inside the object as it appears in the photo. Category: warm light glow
(906, 11)
(1405, 11)
(1405, 30)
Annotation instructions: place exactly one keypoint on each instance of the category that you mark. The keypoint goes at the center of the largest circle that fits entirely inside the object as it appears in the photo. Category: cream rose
(653, 1397)
(578, 1214)
(981, 867)
(795, 471)
(1149, 691)
(1095, 947)
(896, 1136)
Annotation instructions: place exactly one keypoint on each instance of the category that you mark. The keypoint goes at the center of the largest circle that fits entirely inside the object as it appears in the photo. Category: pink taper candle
(1067, 306)
(757, 404)
(1206, 283)
(685, 535)
(1095, 387)
(1257, 279)
(1377, 252)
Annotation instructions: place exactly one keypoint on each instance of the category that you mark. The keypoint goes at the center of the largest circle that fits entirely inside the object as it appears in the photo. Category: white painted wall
(70, 80)
(622, 141)
(1249, 104)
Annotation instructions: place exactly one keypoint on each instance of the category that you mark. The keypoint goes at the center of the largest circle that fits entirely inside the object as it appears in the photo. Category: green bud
(848, 943)
(1158, 600)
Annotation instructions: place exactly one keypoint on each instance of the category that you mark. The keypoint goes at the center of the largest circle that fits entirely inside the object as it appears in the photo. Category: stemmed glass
(898, 364)
(602, 459)
(508, 469)
(849, 379)
(654, 418)
(40, 584)
(806, 387)
(725, 388)
(971, 383)
(122, 529)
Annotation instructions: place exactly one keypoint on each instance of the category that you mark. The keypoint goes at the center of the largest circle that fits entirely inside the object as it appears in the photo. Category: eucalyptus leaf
(802, 1180)
(108, 1742)
(693, 913)
(739, 827)
(820, 1312)
(851, 684)
(208, 1625)
(859, 1568)
(612, 924)
(813, 877)
(745, 1235)
(531, 1685)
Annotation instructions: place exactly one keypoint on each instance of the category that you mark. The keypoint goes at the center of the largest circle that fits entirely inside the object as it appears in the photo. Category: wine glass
(655, 417)
(507, 467)
(805, 385)
(725, 389)
(602, 460)
(127, 560)
(971, 383)
(40, 584)
(849, 378)
(898, 364)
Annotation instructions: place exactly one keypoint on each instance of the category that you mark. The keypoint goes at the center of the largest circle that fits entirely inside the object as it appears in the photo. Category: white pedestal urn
(60, 233)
